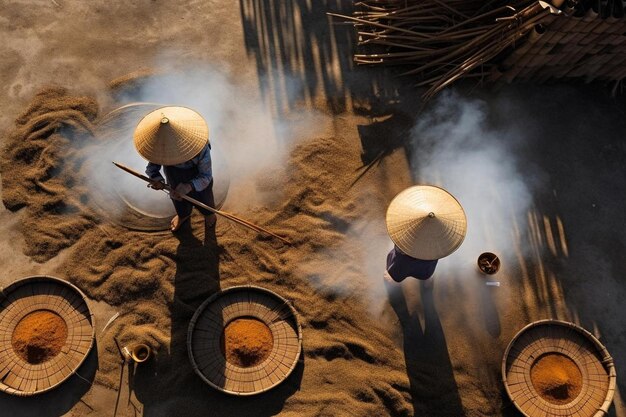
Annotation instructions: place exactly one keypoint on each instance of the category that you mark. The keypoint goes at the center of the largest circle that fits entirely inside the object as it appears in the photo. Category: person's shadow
(181, 391)
(433, 389)
(197, 278)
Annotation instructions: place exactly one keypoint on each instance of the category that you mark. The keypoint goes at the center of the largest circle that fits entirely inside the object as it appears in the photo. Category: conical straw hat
(171, 135)
(426, 222)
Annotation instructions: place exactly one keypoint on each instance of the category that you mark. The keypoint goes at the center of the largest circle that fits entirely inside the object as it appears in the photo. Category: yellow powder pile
(247, 342)
(556, 378)
(39, 336)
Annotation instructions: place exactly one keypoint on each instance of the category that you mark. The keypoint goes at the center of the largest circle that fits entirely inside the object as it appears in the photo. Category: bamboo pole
(441, 38)
(442, 41)
(197, 203)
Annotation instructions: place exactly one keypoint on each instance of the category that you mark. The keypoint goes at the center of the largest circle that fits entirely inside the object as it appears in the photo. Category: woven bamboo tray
(130, 207)
(17, 376)
(207, 326)
(554, 336)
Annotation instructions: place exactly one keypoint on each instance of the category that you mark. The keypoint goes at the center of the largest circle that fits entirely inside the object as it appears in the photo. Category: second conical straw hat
(426, 222)
(171, 135)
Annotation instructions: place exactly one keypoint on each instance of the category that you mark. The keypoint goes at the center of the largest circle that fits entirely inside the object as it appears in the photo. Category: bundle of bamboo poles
(441, 41)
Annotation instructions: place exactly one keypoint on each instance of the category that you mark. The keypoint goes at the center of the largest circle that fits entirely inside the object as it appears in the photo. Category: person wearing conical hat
(177, 140)
(425, 223)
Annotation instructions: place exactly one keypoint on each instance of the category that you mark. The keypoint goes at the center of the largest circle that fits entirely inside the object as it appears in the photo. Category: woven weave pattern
(171, 135)
(39, 293)
(569, 47)
(557, 337)
(426, 222)
(206, 331)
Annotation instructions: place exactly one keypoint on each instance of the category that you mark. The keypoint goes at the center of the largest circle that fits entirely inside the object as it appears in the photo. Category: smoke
(375, 245)
(124, 187)
(354, 267)
(455, 146)
(247, 142)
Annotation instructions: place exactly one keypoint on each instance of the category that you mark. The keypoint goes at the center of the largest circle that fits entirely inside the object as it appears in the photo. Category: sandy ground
(367, 351)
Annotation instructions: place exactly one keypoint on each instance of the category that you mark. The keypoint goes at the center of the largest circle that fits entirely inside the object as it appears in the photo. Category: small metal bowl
(488, 263)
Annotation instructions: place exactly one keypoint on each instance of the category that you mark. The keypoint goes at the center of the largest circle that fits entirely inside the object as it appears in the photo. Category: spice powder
(39, 336)
(246, 342)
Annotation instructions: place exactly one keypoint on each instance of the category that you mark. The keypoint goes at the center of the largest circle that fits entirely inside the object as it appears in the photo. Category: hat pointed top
(171, 135)
(426, 222)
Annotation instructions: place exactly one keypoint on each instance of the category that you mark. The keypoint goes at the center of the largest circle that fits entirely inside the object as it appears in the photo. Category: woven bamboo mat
(207, 327)
(37, 293)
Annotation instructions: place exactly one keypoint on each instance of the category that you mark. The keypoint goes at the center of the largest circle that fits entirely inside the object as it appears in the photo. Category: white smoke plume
(455, 146)
(355, 266)
(247, 140)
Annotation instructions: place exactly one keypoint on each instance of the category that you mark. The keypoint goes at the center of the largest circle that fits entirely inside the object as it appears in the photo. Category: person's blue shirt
(400, 266)
(202, 161)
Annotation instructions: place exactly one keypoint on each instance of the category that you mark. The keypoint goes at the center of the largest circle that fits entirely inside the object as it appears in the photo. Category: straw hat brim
(426, 222)
(171, 135)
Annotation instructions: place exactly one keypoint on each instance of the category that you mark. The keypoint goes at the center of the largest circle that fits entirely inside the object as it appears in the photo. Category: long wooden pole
(197, 203)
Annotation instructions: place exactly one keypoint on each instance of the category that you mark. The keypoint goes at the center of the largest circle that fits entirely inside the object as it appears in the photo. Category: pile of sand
(352, 360)
(556, 378)
(41, 166)
(39, 336)
(246, 342)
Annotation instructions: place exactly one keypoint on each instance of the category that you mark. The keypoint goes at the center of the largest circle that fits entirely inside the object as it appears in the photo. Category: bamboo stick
(197, 203)
(442, 41)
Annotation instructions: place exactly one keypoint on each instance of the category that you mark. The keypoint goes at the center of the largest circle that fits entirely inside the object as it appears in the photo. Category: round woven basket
(205, 334)
(37, 293)
(563, 338)
(125, 199)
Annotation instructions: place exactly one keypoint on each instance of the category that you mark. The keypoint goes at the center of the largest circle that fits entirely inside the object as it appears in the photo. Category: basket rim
(41, 278)
(221, 293)
(607, 360)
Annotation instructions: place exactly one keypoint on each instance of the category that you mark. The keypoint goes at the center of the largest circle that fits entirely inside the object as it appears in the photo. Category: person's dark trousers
(177, 176)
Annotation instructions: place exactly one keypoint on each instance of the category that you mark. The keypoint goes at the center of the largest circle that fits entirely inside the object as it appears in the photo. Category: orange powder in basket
(556, 378)
(39, 336)
(247, 342)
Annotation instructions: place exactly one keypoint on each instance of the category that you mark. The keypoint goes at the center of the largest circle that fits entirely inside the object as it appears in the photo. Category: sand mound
(170, 276)
(40, 165)
(39, 336)
(352, 360)
(246, 342)
(556, 378)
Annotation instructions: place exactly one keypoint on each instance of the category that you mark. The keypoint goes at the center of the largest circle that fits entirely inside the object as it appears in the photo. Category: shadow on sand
(196, 279)
(302, 54)
(575, 139)
(434, 391)
(305, 57)
(573, 146)
(57, 401)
